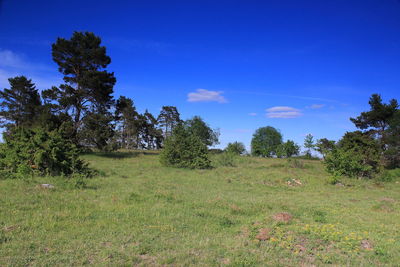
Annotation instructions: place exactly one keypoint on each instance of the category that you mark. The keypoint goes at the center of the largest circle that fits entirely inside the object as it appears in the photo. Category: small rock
(339, 184)
(283, 217)
(47, 186)
(263, 234)
(366, 244)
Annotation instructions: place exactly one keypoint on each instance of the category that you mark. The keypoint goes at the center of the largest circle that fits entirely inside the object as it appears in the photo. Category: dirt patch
(366, 244)
(282, 217)
(387, 199)
(263, 234)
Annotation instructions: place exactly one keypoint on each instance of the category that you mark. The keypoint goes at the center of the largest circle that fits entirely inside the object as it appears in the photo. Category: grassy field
(137, 212)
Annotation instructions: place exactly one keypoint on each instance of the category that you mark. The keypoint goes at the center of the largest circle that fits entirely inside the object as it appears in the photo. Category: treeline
(45, 132)
(83, 107)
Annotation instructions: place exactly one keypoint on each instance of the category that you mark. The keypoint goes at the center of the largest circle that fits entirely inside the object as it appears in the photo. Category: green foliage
(389, 175)
(35, 151)
(21, 104)
(226, 159)
(198, 127)
(356, 155)
(391, 156)
(237, 148)
(309, 144)
(265, 141)
(168, 119)
(287, 149)
(87, 87)
(324, 146)
(184, 150)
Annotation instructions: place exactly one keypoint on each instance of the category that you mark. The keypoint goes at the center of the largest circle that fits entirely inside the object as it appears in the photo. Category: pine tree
(21, 104)
(168, 119)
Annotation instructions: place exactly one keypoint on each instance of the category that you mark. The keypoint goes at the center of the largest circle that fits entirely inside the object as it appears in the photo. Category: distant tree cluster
(82, 111)
(267, 142)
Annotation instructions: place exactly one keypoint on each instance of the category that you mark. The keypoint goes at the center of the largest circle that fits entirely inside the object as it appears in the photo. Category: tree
(97, 130)
(168, 119)
(235, 148)
(150, 133)
(184, 150)
(378, 117)
(392, 139)
(357, 155)
(21, 104)
(126, 117)
(309, 144)
(87, 87)
(324, 146)
(287, 149)
(198, 127)
(265, 141)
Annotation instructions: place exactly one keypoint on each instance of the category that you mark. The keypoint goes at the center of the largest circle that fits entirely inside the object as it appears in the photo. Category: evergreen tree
(21, 104)
(87, 87)
(168, 119)
(309, 144)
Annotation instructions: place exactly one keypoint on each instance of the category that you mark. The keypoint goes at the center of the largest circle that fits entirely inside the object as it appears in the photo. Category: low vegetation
(261, 212)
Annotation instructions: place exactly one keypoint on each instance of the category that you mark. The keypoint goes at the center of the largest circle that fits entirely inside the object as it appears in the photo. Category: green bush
(226, 159)
(340, 162)
(28, 152)
(184, 150)
(236, 148)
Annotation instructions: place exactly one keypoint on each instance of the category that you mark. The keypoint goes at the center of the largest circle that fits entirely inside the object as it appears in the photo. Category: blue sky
(300, 66)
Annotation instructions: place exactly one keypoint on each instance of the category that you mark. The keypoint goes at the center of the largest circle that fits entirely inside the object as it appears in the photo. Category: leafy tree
(21, 104)
(287, 149)
(309, 144)
(235, 148)
(198, 127)
(378, 117)
(265, 141)
(184, 150)
(324, 146)
(168, 119)
(87, 87)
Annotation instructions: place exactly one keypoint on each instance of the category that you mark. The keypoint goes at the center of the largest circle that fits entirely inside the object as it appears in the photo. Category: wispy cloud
(252, 114)
(203, 95)
(14, 64)
(283, 112)
(316, 106)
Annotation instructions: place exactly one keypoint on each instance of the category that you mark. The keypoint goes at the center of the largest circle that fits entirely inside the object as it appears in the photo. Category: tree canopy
(265, 141)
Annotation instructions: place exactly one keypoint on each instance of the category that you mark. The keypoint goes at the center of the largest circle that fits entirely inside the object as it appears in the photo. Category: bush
(340, 162)
(235, 148)
(226, 159)
(356, 155)
(28, 152)
(184, 150)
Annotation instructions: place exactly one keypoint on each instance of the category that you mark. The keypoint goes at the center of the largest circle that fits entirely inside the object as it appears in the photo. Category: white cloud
(316, 106)
(283, 112)
(252, 114)
(203, 95)
(13, 64)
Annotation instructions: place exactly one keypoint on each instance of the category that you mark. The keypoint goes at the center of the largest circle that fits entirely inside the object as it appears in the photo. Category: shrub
(341, 162)
(235, 148)
(226, 159)
(35, 151)
(356, 155)
(184, 150)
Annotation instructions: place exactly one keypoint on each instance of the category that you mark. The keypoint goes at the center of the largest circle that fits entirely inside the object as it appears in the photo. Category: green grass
(137, 212)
